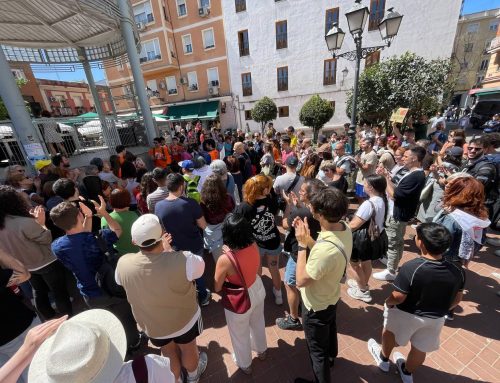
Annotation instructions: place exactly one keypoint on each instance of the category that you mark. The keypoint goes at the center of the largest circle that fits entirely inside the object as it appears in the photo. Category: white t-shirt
(158, 370)
(365, 211)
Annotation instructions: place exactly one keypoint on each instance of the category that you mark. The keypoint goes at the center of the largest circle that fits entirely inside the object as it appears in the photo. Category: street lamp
(356, 20)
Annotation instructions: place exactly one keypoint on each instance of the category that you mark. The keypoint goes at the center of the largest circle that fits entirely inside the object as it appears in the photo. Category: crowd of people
(132, 235)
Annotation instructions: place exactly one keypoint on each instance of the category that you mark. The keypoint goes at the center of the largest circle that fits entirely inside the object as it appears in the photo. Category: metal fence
(72, 137)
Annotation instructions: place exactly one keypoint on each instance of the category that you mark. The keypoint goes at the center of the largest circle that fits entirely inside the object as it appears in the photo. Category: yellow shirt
(293, 141)
(326, 266)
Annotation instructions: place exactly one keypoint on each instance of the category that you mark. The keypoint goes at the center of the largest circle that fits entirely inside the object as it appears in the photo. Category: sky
(470, 6)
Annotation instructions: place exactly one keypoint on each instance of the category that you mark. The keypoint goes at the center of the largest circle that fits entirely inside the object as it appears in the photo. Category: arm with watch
(305, 241)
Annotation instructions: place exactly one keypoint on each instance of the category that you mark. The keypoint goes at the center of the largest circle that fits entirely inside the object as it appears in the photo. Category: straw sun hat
(88, 348)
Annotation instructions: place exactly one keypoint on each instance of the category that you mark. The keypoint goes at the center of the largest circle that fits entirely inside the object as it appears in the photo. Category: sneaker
(245, 370)
(356, 293)
(202, 366)
(288, 323)
(352, 283)
(384, 275)
(206, 301)
(278, 297)
(450, 316)
(383, 260)
(494, 242)
(399, 360)
(262, 355)
(375, 350)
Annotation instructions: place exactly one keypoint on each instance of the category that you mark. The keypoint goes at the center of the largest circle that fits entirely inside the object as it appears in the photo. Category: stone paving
(470, 345)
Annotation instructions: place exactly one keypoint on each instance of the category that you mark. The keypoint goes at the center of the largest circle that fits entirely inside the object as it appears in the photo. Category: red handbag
(235, 298)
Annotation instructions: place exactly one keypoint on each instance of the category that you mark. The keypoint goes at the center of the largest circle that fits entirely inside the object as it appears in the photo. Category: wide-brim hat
(87, 348)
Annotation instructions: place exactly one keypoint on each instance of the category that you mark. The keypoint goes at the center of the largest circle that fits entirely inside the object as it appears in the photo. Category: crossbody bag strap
(290, 188)
(236, 266)
(140, 369)
(373, 210)
(341, 251)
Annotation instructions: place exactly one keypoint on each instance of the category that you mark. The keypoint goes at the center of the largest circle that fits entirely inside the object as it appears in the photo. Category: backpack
(342, 160)
(192, 187)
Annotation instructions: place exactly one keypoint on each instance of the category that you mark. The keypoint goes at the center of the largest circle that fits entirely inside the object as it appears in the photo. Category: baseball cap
(146, 230)
(187, 164)
(292, 161)
(219, 167)
(40, 164)
(455, 151)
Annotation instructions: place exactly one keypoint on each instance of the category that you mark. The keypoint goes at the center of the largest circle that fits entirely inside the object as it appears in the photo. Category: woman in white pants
(247, 330)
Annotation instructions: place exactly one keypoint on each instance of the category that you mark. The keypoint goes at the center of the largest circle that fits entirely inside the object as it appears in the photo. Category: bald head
(239, 147)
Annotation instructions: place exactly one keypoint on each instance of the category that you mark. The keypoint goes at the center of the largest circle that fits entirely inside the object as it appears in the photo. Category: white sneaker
(375, 350)
(278, 297)
(356, 293)
(352, 283)
(383, 261)
(202, 366)
(399, 359)
(384, 275)
(245, 370)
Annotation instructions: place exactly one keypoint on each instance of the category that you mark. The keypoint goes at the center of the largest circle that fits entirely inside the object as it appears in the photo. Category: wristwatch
(302, 248)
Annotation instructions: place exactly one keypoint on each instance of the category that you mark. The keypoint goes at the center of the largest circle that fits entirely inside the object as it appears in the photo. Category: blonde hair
(255, 186)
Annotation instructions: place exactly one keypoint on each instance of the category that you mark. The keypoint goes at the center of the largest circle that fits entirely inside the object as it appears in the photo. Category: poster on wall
(34, 151)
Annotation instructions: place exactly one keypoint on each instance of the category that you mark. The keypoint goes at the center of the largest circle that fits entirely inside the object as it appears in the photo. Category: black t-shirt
(407, 195)
(16, 317)
(431, 286)
(261, 217)
(291, 243)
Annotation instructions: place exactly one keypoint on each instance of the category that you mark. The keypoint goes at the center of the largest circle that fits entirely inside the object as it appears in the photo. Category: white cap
(146, 230)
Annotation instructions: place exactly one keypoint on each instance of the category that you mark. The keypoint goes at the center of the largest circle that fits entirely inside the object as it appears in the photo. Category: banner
(399, 115)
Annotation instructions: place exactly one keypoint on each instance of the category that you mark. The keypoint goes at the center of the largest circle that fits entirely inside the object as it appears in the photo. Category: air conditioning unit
(141, 27)
(203, 12)
(213, 90)
(162, 85)
(184, 80)
(52, 99)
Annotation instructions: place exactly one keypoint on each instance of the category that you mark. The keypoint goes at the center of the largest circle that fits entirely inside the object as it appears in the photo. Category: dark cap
(455, 151)
(292, 162)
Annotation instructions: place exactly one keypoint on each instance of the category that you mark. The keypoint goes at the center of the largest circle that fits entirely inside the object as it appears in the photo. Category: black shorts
(185, 338)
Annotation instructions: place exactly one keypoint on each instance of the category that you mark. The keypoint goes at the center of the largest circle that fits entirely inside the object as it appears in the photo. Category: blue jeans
(201, 286)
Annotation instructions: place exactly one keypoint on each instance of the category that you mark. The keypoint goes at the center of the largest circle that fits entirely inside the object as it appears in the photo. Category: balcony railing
(150, 58)
(494, 45)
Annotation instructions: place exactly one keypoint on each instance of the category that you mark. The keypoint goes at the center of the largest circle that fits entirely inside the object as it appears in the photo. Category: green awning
(487, 91)
(207, 110)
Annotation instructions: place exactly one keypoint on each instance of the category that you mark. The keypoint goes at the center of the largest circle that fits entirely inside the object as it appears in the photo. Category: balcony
(148, 58)
(495, 45)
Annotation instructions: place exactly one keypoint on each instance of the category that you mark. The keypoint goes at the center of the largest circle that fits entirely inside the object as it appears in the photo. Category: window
(331, 17)
(208, 38)
(479, 80)
(171, 85)
(494, 26)
(171, 48)
(473, 28)
(181, 8)
(372, 58)
(150, 51)
(240, 5)
(248, 114)
(143, 13)
(187, 45)
(243, 43)
(18, 74)
(283, 111)
(377, 8)
(281, 35)
(78, 100)
(282, 78)
(332, 104)
(484, 64)
(204, 3)
(246, 84)
(213, 76)
(487, 44)
(330, 72)
(151, 84)
(468, 47)
(192, 81)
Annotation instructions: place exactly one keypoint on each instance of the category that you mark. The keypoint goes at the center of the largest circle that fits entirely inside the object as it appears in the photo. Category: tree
(407, 81)
(265, 110)
(4, 115)
(315, 113)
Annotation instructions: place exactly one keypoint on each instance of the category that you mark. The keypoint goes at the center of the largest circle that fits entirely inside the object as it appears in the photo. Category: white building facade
(277, 49)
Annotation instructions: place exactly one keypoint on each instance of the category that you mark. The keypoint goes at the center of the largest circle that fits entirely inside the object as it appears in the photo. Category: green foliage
(315, 113)
(4, 115)
(407, 81)
(265, 110)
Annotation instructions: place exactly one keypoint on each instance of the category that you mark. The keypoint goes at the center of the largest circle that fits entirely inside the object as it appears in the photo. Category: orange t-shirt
(249, 260)
(214, 154)
(276, 154)
(161, 156)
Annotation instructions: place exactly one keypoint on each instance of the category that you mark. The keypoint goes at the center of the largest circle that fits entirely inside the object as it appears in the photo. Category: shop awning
(207, 110)
(487, 91)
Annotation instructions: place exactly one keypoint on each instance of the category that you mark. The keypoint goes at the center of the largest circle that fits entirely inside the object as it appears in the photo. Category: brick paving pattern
(470, 345)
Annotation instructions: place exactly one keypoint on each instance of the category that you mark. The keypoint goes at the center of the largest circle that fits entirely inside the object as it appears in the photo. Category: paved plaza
(470, 345)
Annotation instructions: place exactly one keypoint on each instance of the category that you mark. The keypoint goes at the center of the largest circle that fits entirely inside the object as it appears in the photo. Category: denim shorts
(360, 191)
(275, 252)
(290, 272)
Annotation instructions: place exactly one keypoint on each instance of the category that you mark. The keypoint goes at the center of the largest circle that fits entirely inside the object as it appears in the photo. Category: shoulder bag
(235, 298)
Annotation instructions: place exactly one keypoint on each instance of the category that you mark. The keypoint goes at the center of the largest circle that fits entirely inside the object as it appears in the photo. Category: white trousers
(248, 330)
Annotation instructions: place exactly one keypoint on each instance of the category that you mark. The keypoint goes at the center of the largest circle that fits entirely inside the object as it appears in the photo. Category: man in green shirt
(318, 277)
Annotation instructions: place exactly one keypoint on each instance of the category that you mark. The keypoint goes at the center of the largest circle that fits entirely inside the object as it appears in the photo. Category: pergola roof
(52, 31)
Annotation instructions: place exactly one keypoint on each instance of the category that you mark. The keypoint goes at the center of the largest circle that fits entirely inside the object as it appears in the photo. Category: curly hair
(147, 185)
(12, 203)
(467, 194)
(213, 193)
(255, 186)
